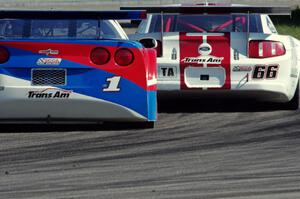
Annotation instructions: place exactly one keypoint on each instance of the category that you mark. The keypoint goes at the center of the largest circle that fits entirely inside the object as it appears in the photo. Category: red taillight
(124, 57)
(264, 49)
(100, 56)
(4, 55)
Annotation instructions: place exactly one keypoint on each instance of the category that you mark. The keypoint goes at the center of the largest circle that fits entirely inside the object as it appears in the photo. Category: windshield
(205, 23)
(58, 29)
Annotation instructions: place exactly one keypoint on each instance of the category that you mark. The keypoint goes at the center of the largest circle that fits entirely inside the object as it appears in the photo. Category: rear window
(205, 23)
(58, 29)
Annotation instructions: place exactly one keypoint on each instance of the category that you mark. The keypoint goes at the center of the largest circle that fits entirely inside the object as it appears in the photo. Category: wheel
(294, 103)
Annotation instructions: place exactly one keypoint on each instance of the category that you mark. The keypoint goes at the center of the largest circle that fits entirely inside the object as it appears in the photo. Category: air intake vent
(48, 77)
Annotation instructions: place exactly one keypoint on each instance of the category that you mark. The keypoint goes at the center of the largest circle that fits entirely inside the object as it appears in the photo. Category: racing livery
(74, 65)
(223, 49)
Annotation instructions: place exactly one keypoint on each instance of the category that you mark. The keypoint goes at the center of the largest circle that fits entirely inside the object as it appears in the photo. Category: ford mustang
(74, 66)
(224, 50)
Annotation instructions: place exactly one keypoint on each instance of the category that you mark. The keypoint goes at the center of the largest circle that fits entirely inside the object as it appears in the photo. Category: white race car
(231, 50)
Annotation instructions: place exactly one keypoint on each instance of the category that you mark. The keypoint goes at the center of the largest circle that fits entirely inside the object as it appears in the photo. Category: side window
(142, 27)
(87, 29)
(108, 31)
(11, 28)
(255, 23)
(271, 25)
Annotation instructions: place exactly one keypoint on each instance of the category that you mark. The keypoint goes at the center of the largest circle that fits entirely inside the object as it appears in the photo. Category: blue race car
(74, 66)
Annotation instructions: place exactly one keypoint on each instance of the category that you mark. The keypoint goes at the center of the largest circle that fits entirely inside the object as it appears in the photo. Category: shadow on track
(198, 105)
(165, 105)
(56, 128)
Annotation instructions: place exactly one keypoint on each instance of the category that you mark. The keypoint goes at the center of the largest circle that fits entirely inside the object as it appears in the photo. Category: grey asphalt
(210, 149)
(198, 149)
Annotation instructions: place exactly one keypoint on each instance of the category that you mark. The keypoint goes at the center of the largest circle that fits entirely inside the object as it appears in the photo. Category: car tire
(294, 103)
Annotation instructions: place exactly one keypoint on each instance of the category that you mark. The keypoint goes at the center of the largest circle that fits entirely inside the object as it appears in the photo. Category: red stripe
(80, 53)
(220, 48)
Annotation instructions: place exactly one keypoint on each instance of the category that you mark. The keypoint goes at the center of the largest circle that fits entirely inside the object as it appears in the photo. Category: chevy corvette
(74, 66)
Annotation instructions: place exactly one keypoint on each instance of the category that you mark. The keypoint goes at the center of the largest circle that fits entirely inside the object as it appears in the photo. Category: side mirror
(149, 42)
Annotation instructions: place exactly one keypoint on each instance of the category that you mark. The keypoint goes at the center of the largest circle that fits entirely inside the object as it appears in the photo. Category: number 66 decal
(268, 72)
(113, 84)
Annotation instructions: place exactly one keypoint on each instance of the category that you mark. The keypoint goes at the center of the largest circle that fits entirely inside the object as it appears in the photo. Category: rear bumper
(16, 106)
(257, 95)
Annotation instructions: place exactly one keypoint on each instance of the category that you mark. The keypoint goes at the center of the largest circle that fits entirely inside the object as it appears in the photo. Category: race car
(74, 66)
(222, 50)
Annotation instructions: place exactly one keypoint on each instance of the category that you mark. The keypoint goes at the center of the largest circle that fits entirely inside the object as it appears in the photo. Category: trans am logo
(50, 93)
(49, 52)
(205, 58)
(48, 61)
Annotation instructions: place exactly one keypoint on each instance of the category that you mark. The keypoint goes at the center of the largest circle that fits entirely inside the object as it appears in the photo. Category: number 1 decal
(113, 84)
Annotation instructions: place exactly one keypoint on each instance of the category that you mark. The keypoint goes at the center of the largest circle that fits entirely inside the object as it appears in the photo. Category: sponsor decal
(49, 52)
(49, 61)
(205, 49)
(205, 58)
(242, 68)
(50, 93)
(168, 72)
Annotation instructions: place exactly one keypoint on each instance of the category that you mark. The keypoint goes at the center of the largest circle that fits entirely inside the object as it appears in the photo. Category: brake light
(100, 56)
(4, 55)
(265, 49)
(124, 57)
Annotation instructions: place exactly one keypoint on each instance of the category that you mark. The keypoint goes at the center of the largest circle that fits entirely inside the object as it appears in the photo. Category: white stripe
(204, 65)
(204, 34)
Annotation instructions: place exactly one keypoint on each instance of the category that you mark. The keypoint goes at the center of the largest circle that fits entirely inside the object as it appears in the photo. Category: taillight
(100, 56)
(265, 49)
(4, 55)
(124, 57)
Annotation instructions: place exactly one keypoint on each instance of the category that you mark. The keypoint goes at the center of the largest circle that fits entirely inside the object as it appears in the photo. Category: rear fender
(289, 63)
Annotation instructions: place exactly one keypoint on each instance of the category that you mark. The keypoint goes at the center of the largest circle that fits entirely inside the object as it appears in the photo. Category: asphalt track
(198, 149)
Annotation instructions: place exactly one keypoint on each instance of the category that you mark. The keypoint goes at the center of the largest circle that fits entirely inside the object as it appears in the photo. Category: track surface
(197, 150)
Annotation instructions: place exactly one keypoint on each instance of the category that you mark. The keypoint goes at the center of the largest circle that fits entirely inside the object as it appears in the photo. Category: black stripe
(60, 14)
